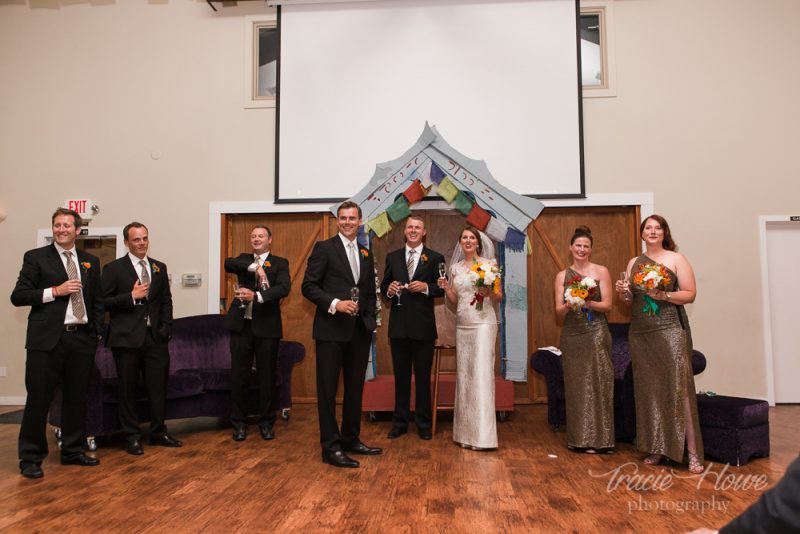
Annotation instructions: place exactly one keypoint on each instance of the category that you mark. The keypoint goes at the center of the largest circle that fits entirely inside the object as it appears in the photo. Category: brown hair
(474, 231)
(269, 232)
(134, 224)
(76, 219)
(347, 204)
(582, 231)
(668, 242)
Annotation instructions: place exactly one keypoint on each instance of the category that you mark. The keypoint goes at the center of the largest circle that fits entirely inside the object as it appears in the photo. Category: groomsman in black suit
(410, 279)
(254, 320)
(136, 293)
(340, 281)
(62, 286)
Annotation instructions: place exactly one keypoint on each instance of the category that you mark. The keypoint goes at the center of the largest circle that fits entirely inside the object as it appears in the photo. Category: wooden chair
(438, 372)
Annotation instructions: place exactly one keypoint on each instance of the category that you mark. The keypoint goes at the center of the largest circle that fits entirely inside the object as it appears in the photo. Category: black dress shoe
(134, 447)
(31, 470)
(360, 448)
(267, 433)
(425, 434)
(80, 459)
(240, 434)
(338, 459)
(165, 441)
(396, 432)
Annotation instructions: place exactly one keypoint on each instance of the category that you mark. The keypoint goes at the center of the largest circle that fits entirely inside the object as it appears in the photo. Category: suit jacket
(128, 324)
(42, 268)
(777, 510)
(415, 318)
(267, 316)
(328, 276)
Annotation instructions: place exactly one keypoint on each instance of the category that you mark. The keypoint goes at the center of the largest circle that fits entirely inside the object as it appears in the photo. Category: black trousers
(69, 364)
(151, 361)
(349, 358)
(244, 346)
(405, 354)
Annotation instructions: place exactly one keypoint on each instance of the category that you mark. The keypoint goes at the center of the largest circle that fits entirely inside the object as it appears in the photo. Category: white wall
(705, 117)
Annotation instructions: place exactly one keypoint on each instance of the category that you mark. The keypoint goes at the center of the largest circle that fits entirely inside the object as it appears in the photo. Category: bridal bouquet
(579, 290)
(651, 276)
(486, 274)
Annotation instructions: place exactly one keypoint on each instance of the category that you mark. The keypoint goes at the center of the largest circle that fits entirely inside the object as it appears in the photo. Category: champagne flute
(399, 291)
(139, 302)
(236, 288)
(442, 270)
(354, 296)
(623, 277)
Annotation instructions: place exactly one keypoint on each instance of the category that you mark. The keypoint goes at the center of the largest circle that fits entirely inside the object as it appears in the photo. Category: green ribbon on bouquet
(650, 306)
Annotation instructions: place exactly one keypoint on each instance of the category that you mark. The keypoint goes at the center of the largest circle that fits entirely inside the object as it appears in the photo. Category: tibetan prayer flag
(496, 229)
(515, 240)
(437, 174)
(415, 192)
(380, 225)
(478, 217)
(446, 189)
(399, 210)
(463, 203)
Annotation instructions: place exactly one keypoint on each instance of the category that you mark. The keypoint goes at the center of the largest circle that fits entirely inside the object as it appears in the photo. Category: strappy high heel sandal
(653, 459)
(694, 464)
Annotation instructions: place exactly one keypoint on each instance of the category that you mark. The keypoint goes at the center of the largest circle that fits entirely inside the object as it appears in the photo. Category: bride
(474, 422)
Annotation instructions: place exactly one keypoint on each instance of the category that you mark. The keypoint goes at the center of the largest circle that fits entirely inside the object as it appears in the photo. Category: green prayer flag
(399, 210)
(463, 203)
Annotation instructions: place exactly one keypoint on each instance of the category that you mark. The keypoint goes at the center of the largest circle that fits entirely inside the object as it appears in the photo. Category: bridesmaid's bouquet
(486, 274)
(651, 276)
(579, 290)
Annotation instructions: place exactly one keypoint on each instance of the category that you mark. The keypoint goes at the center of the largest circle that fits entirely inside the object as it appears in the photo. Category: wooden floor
(530, 484)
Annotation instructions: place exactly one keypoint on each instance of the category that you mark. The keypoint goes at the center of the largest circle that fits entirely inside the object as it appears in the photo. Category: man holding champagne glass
(412, 325)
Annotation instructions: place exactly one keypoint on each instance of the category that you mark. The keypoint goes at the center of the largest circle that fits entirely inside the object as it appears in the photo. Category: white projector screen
(498, 79)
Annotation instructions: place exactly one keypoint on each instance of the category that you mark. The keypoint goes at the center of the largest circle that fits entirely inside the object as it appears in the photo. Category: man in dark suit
(777, 510)
(254, 320)
(136, 293)
(411, 274)
(62, 286)
(340, 281)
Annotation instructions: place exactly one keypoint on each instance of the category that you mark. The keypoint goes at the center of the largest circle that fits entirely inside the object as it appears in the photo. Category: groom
(412, 325)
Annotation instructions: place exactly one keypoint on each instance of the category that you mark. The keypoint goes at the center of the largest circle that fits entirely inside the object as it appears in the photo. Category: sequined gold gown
(474, 421)
(661, 350)
(588, 377)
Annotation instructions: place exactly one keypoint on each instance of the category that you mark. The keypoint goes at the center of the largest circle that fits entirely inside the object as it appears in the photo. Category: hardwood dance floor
(215, 485)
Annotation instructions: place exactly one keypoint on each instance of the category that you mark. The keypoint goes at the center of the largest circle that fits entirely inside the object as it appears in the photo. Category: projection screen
(498, 79)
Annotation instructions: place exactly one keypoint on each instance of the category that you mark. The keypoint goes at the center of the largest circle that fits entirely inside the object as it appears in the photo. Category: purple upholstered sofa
(550, 365)
(199, 378)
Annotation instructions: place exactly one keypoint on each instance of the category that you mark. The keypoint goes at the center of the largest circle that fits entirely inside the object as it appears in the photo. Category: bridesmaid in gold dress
(661, 350)
(586, 349)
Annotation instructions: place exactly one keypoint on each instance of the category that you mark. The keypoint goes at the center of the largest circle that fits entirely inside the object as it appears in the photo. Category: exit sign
(81, 205)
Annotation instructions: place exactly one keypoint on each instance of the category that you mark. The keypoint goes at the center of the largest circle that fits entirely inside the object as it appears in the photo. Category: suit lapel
(155, 276)
(55, 261)
(342, 253)
(421, 263)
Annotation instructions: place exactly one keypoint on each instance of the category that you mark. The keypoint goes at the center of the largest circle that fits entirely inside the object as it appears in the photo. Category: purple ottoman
(734, 429)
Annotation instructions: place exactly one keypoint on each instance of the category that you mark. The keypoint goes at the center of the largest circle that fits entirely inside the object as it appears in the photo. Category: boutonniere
(423, 258)
(364, 253)
(155, 268)
(267, 264)
(86, 265)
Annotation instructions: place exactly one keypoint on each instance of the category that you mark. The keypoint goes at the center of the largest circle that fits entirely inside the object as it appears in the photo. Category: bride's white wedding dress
(474, 422)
